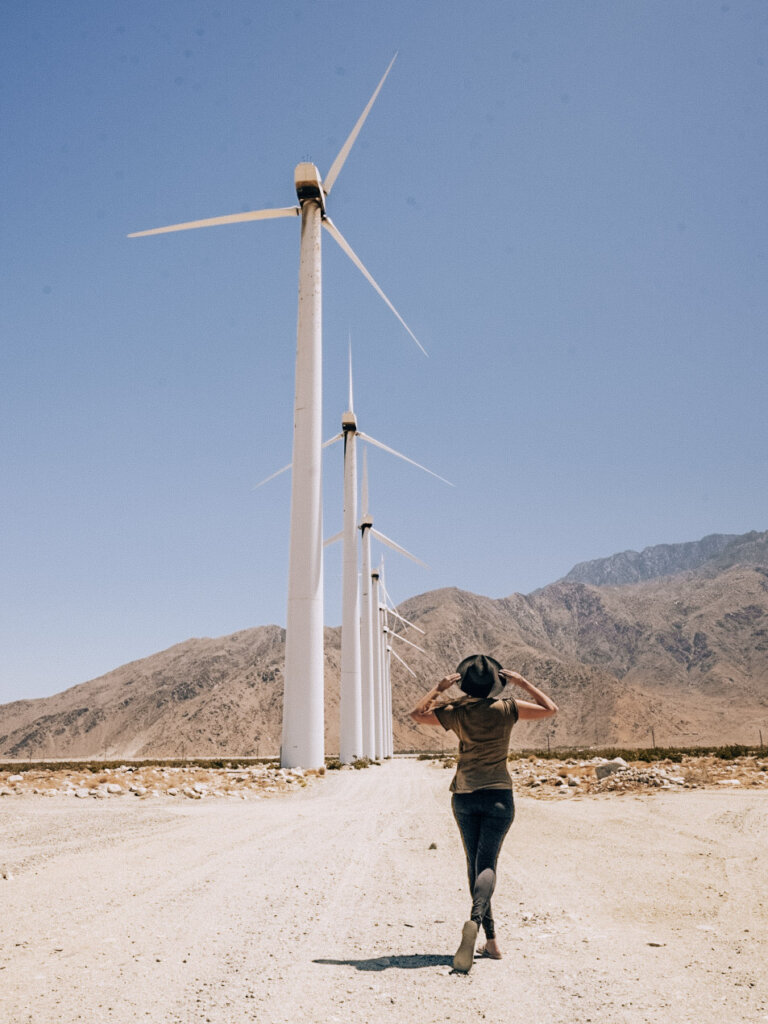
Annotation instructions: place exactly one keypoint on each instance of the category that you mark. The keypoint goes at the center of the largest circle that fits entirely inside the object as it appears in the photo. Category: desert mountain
(680, 656)
(670, 559)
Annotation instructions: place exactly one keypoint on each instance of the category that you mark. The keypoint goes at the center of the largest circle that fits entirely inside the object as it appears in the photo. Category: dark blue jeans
(483, 817)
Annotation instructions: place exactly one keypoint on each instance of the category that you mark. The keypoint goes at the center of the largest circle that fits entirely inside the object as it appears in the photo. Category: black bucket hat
(481, 676)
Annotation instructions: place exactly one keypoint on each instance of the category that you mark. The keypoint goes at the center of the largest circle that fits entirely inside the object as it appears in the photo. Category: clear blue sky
(567, 201)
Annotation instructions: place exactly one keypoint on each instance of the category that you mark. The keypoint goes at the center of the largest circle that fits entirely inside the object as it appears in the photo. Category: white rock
(12, 779)
(114, 787)
(729, 782)
(193, 794)
(81, 793)
(200, 787)
(618, 764)
(173, 791)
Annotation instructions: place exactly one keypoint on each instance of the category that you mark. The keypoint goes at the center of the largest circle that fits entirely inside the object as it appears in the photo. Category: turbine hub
(308, 184)
(348, 422)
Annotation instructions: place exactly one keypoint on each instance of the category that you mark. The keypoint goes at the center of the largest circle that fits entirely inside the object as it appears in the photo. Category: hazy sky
(567, 202)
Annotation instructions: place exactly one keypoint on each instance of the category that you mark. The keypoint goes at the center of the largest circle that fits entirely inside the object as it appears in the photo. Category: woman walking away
(482, 800)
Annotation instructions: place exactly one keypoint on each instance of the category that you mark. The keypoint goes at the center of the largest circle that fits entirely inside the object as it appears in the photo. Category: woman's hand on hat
(513, 677)
(447, 682)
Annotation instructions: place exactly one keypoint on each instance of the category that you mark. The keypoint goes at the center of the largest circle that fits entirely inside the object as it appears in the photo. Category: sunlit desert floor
(322, 900)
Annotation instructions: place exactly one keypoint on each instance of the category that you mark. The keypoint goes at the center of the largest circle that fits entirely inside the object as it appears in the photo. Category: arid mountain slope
(681, 658)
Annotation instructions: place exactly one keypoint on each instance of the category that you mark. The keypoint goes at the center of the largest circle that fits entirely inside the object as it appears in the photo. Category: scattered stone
(114, 787)
(12, 779)
(5, 872)
(618, 764)
(173, 791)
(729, 782)
(81, 793)
(432, 846)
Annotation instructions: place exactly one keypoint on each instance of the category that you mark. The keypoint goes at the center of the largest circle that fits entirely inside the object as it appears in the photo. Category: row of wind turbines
(366, 718)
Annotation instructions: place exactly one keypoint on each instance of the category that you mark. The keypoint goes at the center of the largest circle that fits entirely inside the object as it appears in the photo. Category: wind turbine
(355, 683)
(370, 622)
(351, 742)
(303, 713)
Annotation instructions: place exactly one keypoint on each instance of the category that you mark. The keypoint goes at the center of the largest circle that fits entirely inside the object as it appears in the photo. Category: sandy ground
(327, 905)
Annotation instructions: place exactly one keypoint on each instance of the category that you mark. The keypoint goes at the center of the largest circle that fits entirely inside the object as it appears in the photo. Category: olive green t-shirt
(483, 726)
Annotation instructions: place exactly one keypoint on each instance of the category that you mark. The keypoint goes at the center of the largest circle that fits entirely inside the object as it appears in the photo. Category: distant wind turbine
(352, 678)
(370, 626)
(303, 713)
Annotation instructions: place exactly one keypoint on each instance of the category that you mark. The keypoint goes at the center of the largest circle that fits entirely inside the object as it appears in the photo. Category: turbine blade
(272, 476)
(338, 163)
(397, 615)
(396, 547)
(351, 405)
(285, 469)
(409, 642)
(344, 244)
(406, 667)
(333, 539)
(393, 610)
(385, 448)
(232, 218)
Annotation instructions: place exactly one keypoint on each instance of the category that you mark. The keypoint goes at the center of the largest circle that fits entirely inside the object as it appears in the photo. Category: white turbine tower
(370, 620)
(303, 715)
(351, 691)
(353, 706)
(354, 654)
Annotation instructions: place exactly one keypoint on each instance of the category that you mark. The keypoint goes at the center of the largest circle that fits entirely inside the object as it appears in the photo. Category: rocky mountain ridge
(670, 559)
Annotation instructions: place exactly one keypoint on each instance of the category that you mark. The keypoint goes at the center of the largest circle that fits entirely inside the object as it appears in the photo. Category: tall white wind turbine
(303, 714)
(370, 623)
(353, 707)
(351, 690)
(352, 654)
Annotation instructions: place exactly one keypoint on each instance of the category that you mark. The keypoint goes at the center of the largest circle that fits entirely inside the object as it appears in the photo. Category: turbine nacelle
(309, 185)
(349, 423)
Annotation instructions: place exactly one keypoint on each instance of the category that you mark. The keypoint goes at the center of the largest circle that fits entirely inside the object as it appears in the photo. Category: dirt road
(327, 905)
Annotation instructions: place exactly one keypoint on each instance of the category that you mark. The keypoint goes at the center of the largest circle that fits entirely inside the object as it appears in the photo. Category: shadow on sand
(404, 963)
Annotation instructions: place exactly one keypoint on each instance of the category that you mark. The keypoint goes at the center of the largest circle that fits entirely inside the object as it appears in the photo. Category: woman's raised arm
(423, 713)
(544, 706)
